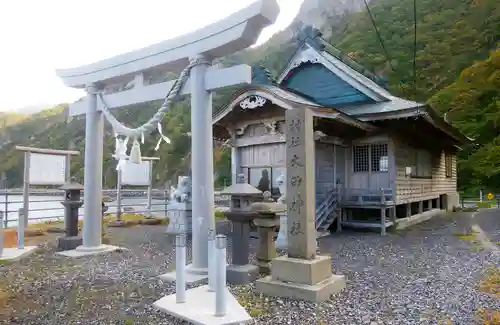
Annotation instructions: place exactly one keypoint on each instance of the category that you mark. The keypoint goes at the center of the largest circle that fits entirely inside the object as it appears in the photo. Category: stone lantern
(267, 221)
(243, 195)
(72, 202)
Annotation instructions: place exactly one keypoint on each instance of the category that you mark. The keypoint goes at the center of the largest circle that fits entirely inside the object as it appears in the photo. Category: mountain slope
(452, 34)
(472, 103)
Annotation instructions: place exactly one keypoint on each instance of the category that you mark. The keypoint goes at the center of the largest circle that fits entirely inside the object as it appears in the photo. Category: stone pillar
(92, 214)
(420, 206)
(202, 167)
(408, 210)
(301, 274)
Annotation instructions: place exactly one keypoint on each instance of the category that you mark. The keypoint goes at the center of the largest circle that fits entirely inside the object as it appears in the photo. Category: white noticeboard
(45, 169)
(136, 174)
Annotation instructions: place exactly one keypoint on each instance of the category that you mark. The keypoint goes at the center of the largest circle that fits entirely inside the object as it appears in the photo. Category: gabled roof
(312, 48)
(288, 100)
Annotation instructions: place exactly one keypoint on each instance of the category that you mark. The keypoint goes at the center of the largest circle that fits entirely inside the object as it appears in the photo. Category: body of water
(46, 208)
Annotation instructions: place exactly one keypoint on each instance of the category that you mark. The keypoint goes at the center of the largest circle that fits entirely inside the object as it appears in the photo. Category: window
(361, 158)
(371, 157)
(260, 178)
(379, 158)
(448, 165)
(265, 177)
(422, 164)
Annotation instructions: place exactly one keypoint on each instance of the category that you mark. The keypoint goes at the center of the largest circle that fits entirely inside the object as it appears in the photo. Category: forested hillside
(473, 104)
(451, 36)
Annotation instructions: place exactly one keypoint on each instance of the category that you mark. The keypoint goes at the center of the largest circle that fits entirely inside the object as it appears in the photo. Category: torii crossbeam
(134, 69)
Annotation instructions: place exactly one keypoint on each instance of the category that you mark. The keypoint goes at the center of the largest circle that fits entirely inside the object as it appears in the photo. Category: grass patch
(255, 304)
(488, 317)
(472, 237)
(219, 215)
(477, 246)
(490, 283)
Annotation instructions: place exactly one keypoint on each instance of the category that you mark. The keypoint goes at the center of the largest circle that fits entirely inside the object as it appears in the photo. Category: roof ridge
(314, 38)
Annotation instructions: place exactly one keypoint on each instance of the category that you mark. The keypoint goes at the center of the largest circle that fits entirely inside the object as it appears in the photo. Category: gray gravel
(418, 276)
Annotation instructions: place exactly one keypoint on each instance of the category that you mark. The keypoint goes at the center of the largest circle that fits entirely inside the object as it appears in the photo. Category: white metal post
(211, 260)
(180, 268)
(202, 165)
(119, 195)
(220, 283)
(94, 129)
(150, 188)
(26, 188)
(1, 233)
(20, 229)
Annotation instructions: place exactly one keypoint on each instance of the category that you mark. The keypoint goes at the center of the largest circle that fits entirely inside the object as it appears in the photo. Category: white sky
(39, 36)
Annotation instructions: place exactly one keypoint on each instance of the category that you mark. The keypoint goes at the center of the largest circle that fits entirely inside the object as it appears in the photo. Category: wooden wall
(325, 87)
(411, 189)
(368, 180)
(263, 155)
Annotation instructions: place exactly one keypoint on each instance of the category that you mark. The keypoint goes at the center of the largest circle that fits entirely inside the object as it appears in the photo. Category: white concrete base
(199, 308)
(81, 251)
(192, 275)
(14, 253)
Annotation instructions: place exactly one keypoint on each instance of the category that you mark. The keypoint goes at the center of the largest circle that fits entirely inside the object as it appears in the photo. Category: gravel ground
(423, 275)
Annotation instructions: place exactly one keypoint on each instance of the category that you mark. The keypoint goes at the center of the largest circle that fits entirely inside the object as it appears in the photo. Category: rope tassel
(120, 152)
(162, 137)
(135, 153)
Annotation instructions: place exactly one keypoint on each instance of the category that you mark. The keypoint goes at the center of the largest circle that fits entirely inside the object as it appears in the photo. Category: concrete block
(315, 293)
(301, 271)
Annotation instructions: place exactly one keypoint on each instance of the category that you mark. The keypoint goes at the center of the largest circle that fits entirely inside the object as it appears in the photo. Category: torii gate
(227, 36)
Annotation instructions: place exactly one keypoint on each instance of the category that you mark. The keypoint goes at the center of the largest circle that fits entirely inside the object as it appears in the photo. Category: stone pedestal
(295, 278)
(67, 243)
(282, 240)
(240, 271)
(180, 218)
(267, 249)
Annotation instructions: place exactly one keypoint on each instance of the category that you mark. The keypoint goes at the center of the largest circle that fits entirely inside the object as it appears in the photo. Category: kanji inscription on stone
(300, 184)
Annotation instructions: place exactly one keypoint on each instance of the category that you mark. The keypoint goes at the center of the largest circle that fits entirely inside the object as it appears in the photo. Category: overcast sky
(38, 37)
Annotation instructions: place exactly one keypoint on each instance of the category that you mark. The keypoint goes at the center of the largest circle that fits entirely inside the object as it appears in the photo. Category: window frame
(421, 164)
(368, 162)
(448, 165)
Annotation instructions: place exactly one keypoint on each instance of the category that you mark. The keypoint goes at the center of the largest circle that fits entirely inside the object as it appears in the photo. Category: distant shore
(56, 192)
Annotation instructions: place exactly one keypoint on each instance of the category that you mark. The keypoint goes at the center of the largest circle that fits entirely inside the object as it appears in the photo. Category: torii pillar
(227, 36)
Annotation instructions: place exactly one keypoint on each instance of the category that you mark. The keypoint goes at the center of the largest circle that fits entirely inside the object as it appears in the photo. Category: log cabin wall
(433, 174)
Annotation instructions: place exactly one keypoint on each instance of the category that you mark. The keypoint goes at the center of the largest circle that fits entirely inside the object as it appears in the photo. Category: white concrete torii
(227, 36)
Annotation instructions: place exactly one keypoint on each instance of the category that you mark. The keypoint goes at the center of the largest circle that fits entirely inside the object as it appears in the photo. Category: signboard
(136, 174)
(45, 169)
